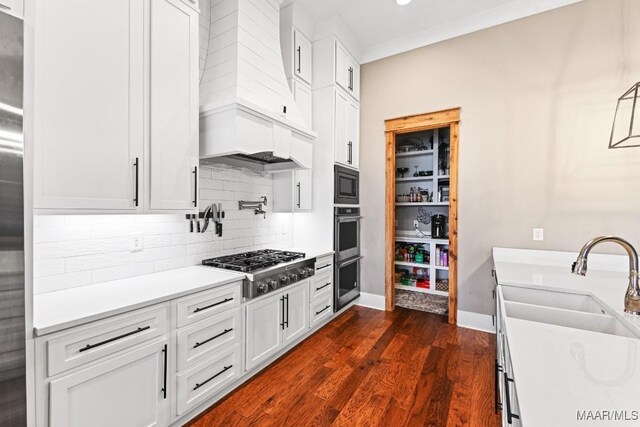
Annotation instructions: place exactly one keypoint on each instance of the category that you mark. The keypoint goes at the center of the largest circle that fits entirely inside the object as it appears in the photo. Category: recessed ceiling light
(403, 2)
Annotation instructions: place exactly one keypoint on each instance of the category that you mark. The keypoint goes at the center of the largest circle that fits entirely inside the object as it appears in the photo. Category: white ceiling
(384, 28)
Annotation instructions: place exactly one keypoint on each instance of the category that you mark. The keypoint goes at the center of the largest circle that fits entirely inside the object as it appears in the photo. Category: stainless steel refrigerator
(12, 277)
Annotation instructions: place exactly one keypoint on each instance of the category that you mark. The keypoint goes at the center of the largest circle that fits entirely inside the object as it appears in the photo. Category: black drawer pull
(226, 331)
(90, 346)
(226, 368)
(324, 309)
(322, 287)
(510, 416)
(324, 266)
(164, 387)
(212, 305)
(498, 369)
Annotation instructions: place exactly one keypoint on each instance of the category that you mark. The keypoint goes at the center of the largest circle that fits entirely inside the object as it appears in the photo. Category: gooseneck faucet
(632, 297)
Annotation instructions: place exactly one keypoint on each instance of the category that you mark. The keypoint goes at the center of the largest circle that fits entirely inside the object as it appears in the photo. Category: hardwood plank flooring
(371, 368)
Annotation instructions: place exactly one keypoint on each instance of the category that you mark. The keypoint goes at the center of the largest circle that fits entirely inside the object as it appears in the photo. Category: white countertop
(54, 311)
(559, 371)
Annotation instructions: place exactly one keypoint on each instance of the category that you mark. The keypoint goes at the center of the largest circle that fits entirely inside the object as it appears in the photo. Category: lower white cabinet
(130, 389)
(321, 309)
(274, 321)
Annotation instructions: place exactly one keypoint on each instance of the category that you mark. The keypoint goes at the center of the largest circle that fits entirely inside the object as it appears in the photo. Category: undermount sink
(577, 311)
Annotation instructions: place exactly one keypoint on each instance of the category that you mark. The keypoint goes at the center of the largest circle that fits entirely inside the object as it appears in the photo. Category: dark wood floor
(372, 368)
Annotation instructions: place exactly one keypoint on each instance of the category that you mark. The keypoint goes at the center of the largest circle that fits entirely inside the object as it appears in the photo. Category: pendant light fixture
(625, 131)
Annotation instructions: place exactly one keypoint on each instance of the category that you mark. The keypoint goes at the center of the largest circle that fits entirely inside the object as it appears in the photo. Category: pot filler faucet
(632, 297)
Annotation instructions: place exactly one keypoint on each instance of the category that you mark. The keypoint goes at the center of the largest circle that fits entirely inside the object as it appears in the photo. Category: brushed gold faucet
(632, 297)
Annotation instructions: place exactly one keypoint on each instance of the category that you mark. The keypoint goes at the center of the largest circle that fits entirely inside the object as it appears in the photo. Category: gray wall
(537, 98)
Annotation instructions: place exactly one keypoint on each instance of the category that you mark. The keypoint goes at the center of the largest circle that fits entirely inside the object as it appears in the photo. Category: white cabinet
(126, 140)
(347, 71)
(274, 321)
(173, 145)
(88, 116)
(303, 54)
(12, 7)
(304, 99)
(130, 389)
(346, 131)
(292, 191)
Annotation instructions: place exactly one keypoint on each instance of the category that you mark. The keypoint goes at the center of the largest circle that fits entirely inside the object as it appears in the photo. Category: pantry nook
(421, 212)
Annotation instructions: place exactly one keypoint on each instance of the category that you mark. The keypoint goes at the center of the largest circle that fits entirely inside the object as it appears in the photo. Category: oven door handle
(349, 218)
(349, 262)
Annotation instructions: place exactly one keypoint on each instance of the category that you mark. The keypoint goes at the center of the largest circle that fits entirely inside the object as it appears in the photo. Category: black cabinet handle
(226, 331)
(324, 266)
(195, 186)
(164, 387)
(324, 309)
(212, 305)
(298, 194)
(226, 368)
(350, 152)
(135, 198)
(119, 337)
(497, 369)
(299, 60)
(282, 312)
(286, 298)
(351, 79)
(510, 416)
(324, 286)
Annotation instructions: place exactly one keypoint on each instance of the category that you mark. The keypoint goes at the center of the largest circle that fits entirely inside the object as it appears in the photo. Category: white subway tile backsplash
(79, 250)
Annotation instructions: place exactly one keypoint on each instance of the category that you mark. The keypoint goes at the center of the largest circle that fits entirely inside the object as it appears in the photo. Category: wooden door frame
(393, 127)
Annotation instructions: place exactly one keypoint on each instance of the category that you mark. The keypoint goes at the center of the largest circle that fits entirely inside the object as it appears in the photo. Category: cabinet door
(353, 134)
(304, 101)
(343, 78)
(173, 145)
(302, 56)
(88, 109)
(355, 79)
(297, 312)
(340, 131)
(303, 190)
(125, 390)
(263, 329)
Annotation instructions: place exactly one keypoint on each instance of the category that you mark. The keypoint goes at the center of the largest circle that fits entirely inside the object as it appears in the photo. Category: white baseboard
(477, 321)
(371, 301)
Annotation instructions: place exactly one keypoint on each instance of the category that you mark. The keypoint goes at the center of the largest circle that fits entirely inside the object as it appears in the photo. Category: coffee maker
(438, 226)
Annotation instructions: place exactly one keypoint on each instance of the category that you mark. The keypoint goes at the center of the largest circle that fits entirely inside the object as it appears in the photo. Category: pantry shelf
(422, 290)
(415, 153)
(409, 239)
(415, 178)
(412, 264)
(423, 204)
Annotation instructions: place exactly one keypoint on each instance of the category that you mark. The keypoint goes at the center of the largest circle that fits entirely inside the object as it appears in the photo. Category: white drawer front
(200, 382)
(203, 339)
(320, 310)
(205, 304)
(324, 263)
(321, 285)
(90, 342)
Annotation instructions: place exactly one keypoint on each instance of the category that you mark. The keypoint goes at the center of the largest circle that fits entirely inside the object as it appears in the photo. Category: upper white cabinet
(347, 71)
(115, 109)
(304, 99)
(88, 104)
(346, 131)
(12, 7)
(302, 56)
(173, 145)
(292, 191)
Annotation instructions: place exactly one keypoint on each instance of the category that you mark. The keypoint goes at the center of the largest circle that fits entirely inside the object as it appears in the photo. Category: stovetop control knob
(293, 277)
(273, 284)
(284, 280)
(262, 287)
(310, 271)
(303, 272)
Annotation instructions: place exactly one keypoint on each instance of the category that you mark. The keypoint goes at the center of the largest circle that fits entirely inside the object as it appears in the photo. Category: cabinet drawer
(321, 285)
(203, 339)
(209, 377)
(87, 343)
(208, 303)
(324, 263)
(321, 309)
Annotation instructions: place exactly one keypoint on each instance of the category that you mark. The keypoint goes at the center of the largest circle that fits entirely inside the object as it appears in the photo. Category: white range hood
(247, 113)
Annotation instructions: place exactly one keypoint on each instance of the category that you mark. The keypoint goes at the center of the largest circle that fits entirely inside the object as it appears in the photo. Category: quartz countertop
(560, 371)
(55, 311)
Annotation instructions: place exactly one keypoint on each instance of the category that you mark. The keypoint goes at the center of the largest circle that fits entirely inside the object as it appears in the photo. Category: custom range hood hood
(248, 116)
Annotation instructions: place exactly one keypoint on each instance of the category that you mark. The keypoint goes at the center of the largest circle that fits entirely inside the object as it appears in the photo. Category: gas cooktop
(247, 262)
(266, 270)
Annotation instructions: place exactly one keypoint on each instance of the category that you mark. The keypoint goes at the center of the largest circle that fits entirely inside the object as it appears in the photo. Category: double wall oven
(347, 254)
